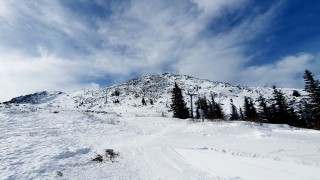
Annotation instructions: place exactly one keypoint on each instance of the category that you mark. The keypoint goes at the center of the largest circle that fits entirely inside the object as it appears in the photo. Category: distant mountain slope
(36, 98)
(155, 87)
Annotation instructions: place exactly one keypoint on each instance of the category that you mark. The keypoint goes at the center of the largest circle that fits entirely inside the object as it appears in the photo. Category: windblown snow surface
(44, 143)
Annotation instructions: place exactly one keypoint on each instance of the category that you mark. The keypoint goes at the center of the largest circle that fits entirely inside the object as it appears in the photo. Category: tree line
(275, 110)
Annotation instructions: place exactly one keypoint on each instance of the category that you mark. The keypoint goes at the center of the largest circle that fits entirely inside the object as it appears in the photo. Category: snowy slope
(36, 98)
(40, 144)
(56, 136)
(158, 88)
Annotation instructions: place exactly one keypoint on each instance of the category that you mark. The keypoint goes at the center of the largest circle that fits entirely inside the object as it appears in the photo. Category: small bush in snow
(110, 154)
(59, 173)
(98, 158)
(296, 93)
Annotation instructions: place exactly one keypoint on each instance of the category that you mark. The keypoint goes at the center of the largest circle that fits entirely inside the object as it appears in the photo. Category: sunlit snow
(58, 138)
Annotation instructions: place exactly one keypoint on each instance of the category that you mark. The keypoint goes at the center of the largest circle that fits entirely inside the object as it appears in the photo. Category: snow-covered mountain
(156, 88)
(55, 135)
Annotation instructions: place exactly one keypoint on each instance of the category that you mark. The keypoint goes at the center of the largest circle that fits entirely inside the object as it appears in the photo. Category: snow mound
(69, 154)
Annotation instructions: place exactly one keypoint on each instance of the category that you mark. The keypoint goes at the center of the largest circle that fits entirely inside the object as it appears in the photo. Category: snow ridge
(156, 88)
(36, 98)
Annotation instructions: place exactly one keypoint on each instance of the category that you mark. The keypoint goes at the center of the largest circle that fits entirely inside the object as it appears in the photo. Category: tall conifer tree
(282, 113)
(264, 110)
(250, 112)
(178, 105)
(234, 112)
(312, 108)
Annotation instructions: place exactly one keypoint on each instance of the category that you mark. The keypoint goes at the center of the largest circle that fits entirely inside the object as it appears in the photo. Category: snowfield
(44, 144)
(55, 135)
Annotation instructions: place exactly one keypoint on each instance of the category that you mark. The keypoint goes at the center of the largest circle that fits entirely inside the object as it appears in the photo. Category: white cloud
(286, 72)
(28, 75)
(154, 35)
(47, 46)
(211, 8)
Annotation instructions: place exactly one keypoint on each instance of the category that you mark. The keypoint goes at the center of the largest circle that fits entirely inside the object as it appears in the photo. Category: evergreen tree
(273, 114)
(212, 109)
(282, 113)
(197, 112)
(144, 101)
(294, 119)
(116, 93)
(281, 106)
(218, 111)
(178, 105)
(203, 105)
(234, 112)
(264, 110)
(246, 108)
(151, 101)
(306, 115)
(253, 112)
(250, 113)
(241, 114)
(312, 86)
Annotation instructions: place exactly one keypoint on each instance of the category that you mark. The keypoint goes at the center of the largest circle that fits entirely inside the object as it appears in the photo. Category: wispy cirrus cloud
(67, 45)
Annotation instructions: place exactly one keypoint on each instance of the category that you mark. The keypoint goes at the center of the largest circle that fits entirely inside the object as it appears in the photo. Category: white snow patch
(68, 154)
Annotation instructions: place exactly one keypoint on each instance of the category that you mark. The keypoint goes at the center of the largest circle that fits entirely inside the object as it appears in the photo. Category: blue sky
(69, 45)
